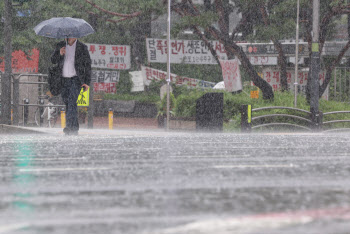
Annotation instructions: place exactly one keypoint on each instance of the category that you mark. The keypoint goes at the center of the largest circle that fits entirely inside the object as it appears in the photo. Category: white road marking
(47, 159)
(12, 227)
(209, 156)
(255, 166)
(256, 223)
(63, 169)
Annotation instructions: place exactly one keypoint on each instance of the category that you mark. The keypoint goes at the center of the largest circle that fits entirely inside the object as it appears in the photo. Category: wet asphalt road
(170, 183)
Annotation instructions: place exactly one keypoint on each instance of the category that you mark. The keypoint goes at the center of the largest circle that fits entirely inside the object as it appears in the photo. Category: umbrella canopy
(64, 27)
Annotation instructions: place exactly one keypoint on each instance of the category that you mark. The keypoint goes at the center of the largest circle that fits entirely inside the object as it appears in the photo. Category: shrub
(162, 105)
(125, 84)
(186, 103)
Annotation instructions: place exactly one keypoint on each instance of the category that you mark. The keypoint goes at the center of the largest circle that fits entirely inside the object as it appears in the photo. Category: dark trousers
(70, 93)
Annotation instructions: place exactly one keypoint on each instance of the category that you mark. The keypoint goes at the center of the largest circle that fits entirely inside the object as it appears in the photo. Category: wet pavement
(155, 182)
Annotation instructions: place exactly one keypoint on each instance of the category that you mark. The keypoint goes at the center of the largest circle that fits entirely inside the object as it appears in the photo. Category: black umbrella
(64, 27)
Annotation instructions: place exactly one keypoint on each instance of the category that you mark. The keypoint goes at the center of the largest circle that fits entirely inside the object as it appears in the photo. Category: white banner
(183, 51)
(110, 56)
(150, 74)
(194, 52)
(137, 80)
(105, 76)
(231, 75)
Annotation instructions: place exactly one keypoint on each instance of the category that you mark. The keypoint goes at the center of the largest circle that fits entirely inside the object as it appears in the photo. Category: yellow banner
(83, 99)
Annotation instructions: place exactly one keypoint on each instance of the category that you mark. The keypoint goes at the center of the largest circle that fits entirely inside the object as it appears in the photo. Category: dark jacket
(82, 62)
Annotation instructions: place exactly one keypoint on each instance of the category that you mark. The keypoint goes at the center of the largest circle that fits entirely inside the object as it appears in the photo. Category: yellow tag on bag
(83, 99)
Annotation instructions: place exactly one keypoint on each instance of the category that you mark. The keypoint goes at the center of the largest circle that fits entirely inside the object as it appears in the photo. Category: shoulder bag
(55, 80)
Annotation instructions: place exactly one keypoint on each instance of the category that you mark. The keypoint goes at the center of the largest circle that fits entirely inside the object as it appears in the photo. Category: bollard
(63, 118)
(110, 119)
(246, 118)
(25, 111)
(11, 116)
(41, 112)
(165, 123)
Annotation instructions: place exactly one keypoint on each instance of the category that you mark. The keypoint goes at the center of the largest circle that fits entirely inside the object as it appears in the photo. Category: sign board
(150, 74)
(231, 75)
(110, 56)
(83, 98)
(254, 94)
(183, 51)
(105, 76)
(21, 63)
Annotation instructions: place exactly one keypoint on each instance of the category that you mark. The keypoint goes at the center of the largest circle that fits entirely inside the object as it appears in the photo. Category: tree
(329, 13)
(198, 19)
(131, 17)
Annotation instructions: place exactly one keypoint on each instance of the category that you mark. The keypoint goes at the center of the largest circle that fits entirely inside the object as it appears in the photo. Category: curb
(10, 129)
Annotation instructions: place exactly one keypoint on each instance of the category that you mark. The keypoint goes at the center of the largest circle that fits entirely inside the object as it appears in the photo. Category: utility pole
(6, 77)
(296, 56)
(315, 63)
(168, 67)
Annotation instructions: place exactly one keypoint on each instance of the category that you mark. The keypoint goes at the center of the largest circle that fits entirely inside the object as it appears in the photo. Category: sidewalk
(100, 126)
(120, 122)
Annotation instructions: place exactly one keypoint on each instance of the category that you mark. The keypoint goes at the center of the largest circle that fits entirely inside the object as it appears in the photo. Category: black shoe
(73, 133)
(66, 131)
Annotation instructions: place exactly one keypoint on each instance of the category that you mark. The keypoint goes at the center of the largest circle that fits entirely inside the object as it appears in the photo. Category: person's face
(71, 41)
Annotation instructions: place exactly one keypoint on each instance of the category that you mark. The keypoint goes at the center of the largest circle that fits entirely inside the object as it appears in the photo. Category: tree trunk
(282, 62)
(141, 30)
(309, 40)
(6, 77)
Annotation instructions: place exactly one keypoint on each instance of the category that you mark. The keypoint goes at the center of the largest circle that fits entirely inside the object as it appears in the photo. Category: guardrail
(331, 122)
(302, 119)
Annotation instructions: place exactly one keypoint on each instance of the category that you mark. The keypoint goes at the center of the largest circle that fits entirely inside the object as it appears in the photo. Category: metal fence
(340, 85)
(32, 79)
(292, 118)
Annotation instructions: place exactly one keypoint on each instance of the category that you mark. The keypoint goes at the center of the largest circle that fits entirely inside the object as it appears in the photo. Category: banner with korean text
(183, 51)
(272, 77)
(110, 56)
(150, 74)
(105, 80)
(231, 75)
(195, 52)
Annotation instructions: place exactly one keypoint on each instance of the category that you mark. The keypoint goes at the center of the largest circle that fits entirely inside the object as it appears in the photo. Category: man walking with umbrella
(73, 59)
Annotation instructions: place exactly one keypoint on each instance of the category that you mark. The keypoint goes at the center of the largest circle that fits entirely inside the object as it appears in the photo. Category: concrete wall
(129, 109)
